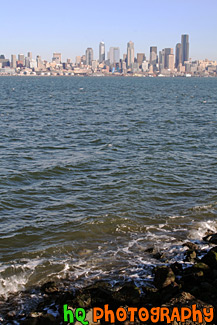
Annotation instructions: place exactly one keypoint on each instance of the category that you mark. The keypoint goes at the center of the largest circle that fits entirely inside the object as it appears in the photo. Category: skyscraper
(185, 48)
(167, 63)
(114, 55)
(178, 59)
(101, 52)
(153, 55)
(13, 61)
(89, 56)
(130, 54)
(30, 55)
(21, 58)
(140, 58)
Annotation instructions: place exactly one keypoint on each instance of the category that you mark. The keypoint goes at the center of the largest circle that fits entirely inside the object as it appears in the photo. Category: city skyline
(162, 63)
(70, 28)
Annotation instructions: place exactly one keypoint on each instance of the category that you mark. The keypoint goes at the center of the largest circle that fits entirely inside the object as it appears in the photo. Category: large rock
(185, 299)
(211, 238)
(191, 246)
(164, 276)
(211, 258)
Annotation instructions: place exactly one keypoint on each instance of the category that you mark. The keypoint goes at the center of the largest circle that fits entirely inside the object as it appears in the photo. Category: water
(93, 171)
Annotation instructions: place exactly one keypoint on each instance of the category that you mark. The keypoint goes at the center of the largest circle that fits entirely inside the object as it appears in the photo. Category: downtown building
(101, 52)
(185, 48)
(89, 56)
(130, 54)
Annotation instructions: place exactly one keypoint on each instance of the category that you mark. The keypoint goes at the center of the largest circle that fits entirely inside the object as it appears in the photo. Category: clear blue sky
(69, 26)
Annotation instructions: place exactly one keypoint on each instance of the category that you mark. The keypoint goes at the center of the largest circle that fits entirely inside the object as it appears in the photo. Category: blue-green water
(93, 171)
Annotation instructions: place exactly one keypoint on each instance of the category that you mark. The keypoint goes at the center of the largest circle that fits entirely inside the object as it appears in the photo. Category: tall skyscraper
(89, 56)
(153, 55)
(140, 58)
(13, 61)
(101, 52)
(130, 54)
(21, 58)
(114, 55)
(185, 48)
(178, 59)
(30, 55)
(167, 63)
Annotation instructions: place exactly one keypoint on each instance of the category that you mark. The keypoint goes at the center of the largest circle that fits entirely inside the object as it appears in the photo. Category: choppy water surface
(93, 171)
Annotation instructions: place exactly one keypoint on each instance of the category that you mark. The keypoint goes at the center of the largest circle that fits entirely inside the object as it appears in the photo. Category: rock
(211, 258)
(177, 268)
(190, 256)
(49, 287)
(211, 238)
(159, 256)
(129, 295)
(185, 299)
(46, 319)
(191, 246)
(164, 276)
(11, 314)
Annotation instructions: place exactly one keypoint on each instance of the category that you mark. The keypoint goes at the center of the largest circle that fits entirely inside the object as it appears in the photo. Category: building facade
(130, 54)
(89, 56)
(101, 52)
(185, 48)
(153, 55)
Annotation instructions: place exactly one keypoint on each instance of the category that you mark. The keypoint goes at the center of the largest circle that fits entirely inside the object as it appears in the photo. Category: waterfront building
(185, 48)
(130, 54)
(89, 56)
(178, 59)
(101, 52)
(13, 61)
(153, 56)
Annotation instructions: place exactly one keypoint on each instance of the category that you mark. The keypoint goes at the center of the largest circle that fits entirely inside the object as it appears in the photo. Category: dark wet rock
(210, 258)
(211, 238)
(169, 291)
(190, 256)
(11, 314)
(49, 287)
(159, 256)
(40, 319)
(151, 250)
(191, 246)
(186, 299)
(177, 268)
(129, 294)
(154, 252)
(164, 276)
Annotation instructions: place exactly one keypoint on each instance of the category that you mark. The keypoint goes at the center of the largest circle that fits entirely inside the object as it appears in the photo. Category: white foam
(199, 229)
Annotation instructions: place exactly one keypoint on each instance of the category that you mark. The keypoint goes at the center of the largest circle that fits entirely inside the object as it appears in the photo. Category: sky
(69, 26)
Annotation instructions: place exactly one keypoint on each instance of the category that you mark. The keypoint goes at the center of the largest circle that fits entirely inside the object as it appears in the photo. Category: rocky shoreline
(174, 285)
